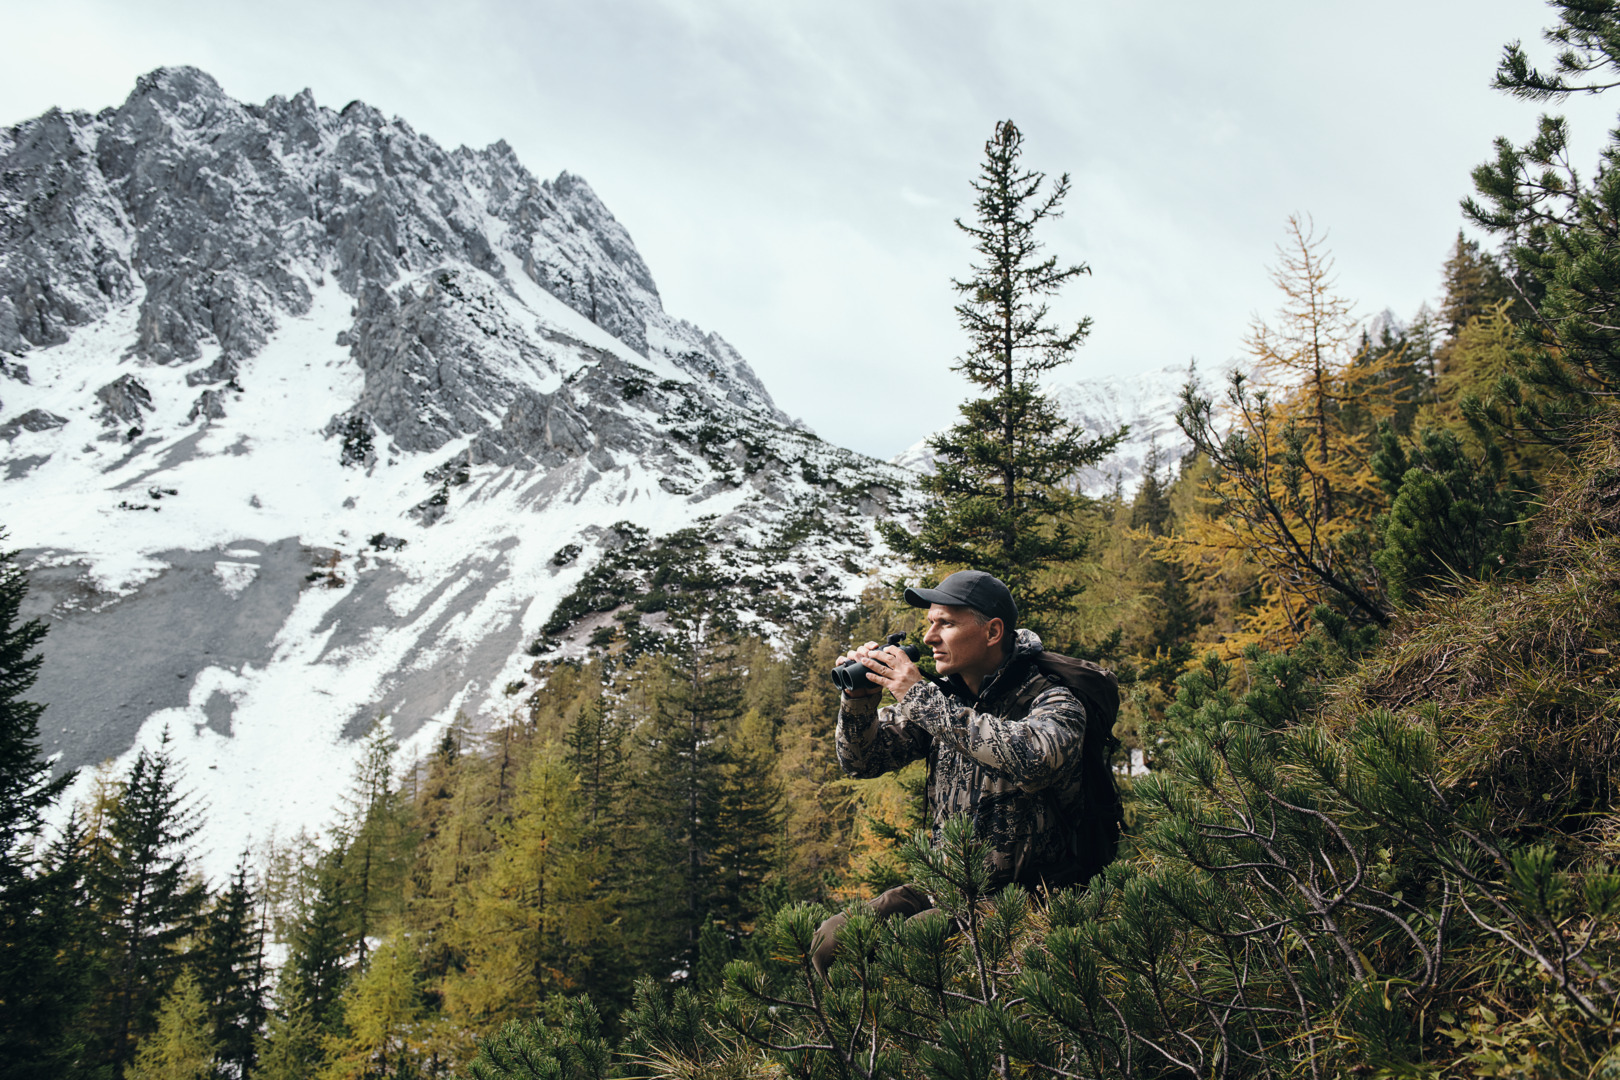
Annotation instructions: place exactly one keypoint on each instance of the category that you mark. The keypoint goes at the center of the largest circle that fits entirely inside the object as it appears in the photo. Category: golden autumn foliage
(533, 914)
(1291, 490)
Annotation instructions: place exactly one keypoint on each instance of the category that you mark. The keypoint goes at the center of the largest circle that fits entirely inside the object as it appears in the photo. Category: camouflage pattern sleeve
(1035, 752)
(872, 741)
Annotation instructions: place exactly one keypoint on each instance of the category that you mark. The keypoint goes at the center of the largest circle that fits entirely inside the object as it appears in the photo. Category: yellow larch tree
(182, 1047)
(1291, 489)
(819, 819)
(534, 913)
(383, 1018)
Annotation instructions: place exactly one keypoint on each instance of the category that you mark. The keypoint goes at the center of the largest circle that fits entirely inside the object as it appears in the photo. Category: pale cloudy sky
(790, 169)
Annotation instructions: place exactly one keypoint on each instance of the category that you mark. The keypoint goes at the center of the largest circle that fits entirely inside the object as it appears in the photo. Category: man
(1003, 741)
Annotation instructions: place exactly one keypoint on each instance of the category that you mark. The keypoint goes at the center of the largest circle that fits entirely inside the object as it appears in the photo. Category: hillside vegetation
(1370, 636)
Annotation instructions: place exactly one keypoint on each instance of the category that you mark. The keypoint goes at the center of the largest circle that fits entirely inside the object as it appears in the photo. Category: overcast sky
(790, 169)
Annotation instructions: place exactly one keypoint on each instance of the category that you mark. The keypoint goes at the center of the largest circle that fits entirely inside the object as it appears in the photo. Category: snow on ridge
(289, 748)
(308, 461)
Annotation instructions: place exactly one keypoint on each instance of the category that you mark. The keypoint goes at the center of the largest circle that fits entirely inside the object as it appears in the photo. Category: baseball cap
(976, 589)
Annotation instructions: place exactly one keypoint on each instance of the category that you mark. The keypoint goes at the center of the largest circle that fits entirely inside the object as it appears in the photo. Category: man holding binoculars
(1002, 734)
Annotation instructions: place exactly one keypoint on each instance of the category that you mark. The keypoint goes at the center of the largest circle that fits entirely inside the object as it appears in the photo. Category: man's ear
(996, 631)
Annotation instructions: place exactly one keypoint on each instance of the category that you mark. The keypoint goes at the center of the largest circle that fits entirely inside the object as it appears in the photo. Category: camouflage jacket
(1010, 758)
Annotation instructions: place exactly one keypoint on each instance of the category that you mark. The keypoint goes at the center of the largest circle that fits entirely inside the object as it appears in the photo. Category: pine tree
(577, 1050)
(1169, 646)
(183, 1046)
(1560, 233)
(146, 896)
(321, 941)
(687, 710)
(231, 964)
(748, 823)
(1453, 515)
(1424, 333)
(292, 1047)
(39, 982)
(51, 944)
(595, 750)
(458, 825)
(819, 814)
(26, 787)
(998, 500)
(697, 700)
(1473, 284)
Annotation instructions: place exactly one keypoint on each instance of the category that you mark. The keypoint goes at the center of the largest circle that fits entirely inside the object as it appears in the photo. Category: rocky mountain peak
(305, 419)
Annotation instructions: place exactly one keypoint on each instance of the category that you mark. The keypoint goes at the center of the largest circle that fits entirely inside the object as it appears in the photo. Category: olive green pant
(901, 900)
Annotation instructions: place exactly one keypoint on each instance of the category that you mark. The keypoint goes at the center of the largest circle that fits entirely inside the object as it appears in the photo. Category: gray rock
(62, 232)
(210, 405)
(123, 400)
(224, 369)
(133, 643)
(18, 467)
(32, 420)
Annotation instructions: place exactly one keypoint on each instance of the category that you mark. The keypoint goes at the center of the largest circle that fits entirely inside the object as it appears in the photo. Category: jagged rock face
(215, 207)
(238, 340)
(64, 239)
(210, 405)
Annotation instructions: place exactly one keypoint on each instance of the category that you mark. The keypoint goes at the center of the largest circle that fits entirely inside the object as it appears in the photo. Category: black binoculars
(852, 676)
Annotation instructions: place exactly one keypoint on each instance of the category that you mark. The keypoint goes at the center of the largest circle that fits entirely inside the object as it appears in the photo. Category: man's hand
(886, 667)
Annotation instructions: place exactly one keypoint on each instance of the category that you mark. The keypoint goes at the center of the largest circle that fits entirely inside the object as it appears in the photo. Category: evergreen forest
(1368, 638)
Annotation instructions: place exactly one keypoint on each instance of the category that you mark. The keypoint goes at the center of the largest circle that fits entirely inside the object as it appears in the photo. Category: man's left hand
(889, 668)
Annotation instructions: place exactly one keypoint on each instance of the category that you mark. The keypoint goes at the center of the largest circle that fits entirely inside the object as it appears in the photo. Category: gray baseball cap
(971, 588)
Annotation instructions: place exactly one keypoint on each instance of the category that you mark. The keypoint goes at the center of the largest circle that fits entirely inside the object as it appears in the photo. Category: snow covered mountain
(306, 420)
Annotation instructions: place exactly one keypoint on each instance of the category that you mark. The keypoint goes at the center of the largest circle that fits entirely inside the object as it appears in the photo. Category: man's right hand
(861, 653)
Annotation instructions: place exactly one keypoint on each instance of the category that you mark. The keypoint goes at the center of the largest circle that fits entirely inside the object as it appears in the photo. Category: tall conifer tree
(748, 821)
(26, 787)
(820, 816)
(146, 894)
(293, 1044)
(999, 500)
(183, 1046)
(381, 1013)
(1473, 283)
(1290, 483)
(51, 945)
(37, 978)
(232, 975)
(683, 784)
(533, 920)
(321, 942)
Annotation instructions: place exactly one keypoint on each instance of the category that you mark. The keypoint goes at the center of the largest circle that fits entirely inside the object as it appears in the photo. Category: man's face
(962, 643)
